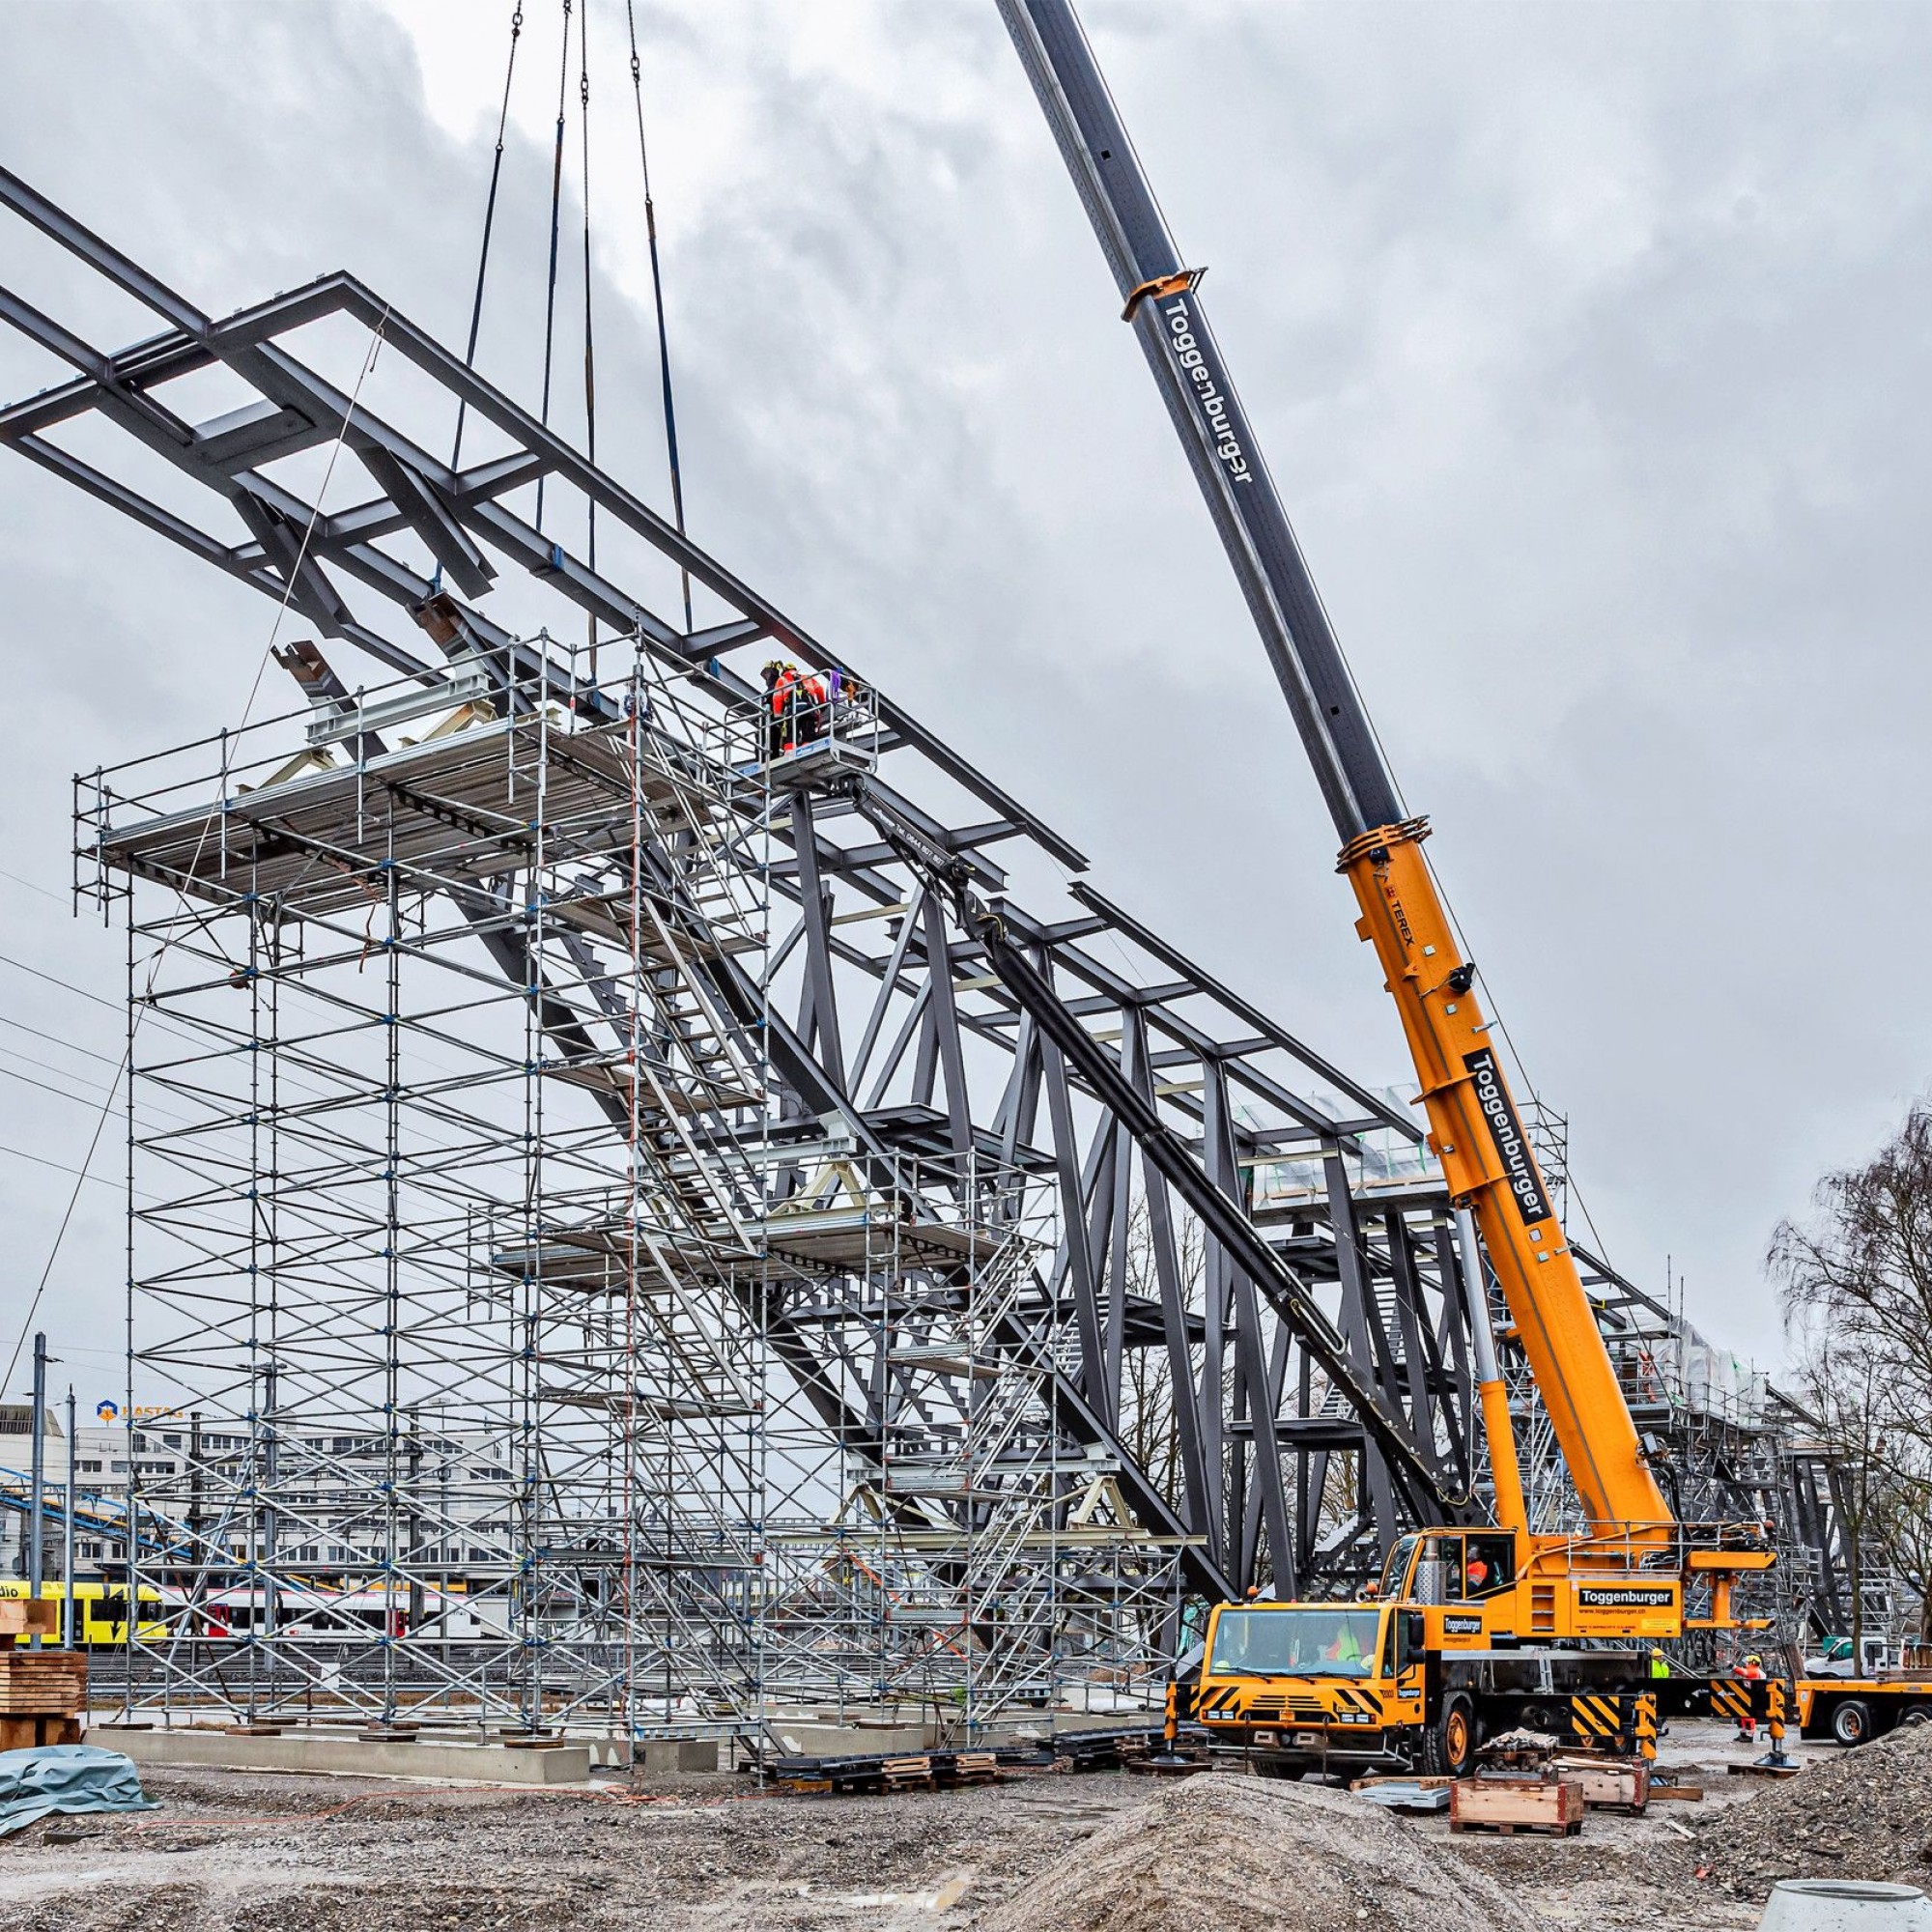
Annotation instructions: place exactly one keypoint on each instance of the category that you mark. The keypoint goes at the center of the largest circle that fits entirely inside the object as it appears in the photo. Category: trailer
(1855, 1709)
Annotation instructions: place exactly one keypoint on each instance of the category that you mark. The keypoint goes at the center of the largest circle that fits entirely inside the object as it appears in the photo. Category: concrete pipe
(1845, 1905)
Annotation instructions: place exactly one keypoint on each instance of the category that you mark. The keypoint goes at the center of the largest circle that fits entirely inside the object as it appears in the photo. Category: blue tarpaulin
(66, 1778)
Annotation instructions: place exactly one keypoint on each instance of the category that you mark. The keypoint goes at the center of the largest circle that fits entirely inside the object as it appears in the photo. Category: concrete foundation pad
(813, 1735)
(802, 1738)
(660, 1757)
(349, 1757)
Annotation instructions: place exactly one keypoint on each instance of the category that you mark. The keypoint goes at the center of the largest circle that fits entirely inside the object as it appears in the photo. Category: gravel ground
(1862, 1814)
(244, 1852)
(248, 1852)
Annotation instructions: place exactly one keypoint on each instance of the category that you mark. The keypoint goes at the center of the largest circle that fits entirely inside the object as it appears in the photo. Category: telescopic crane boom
(1476, 1130)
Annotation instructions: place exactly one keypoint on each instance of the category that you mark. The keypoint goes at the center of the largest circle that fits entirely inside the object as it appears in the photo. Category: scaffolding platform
(450, 813)
(849, 1238)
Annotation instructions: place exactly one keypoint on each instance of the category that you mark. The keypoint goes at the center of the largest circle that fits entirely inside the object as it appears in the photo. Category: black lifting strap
(489, 224)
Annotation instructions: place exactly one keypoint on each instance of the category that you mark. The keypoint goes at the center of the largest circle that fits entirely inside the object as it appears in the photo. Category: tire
(1851, 1722)
(1916, 1714)
(1449, 1744)
(1273, 1767)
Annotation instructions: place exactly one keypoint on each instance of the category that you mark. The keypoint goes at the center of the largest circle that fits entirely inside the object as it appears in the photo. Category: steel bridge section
(1163, 1418)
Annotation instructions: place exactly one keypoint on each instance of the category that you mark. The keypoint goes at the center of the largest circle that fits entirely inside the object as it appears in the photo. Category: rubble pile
(1864, 1815)
(1220, 1852)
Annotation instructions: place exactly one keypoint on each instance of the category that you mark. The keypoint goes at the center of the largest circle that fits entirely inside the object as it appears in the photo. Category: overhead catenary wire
(54, 1038)
(99, 1181)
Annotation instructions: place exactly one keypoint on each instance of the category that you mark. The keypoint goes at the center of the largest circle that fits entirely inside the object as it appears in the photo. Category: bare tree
(1148, 1419)
(1857, 1292)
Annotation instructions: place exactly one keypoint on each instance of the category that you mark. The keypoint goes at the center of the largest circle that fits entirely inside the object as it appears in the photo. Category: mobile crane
(1474, 1626)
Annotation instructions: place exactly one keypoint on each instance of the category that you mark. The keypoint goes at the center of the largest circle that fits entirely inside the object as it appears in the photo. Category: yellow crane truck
(1476, 1625)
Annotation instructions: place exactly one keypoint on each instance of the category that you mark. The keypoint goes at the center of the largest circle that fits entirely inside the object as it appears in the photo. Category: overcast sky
(1587, 344)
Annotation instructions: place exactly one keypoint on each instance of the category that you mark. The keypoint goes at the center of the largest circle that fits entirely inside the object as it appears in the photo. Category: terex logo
(1506, 1133)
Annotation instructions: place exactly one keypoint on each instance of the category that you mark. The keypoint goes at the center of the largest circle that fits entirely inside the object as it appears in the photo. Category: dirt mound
(1225, 1854)
(1866, 1815)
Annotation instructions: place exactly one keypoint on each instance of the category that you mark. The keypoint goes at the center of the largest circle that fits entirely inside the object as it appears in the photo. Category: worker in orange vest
(810, 709)
(1752, 1671)
(781, 686)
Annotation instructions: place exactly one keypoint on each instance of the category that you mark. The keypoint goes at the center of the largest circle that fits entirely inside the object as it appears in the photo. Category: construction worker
(1751, 1671)
(1342, 1647)
(1660, 1664)
(1476, 1573)
(781, 679)
(810, 709)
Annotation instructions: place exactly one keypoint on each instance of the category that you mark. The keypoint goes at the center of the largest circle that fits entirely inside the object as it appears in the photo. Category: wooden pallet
(1508, 1805)
(906, 1774)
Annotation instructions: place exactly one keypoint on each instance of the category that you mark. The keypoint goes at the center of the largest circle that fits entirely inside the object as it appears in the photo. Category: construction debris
(1298, 1858)
(1864, 1815)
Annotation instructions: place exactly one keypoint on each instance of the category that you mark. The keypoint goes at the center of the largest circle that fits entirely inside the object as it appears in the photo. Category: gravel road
(247, 1852)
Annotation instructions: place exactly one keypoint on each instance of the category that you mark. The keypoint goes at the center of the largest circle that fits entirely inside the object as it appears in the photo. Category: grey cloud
(1587, 347)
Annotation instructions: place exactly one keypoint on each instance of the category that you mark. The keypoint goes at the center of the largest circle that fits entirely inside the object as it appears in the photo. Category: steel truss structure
(592, 1122)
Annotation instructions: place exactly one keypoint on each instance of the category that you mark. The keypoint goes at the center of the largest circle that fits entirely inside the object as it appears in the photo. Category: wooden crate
(42, 1682)
(1608, 1783)
(1509, 1804)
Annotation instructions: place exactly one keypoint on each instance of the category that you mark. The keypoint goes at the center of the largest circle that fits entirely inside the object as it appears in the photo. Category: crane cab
(1478, 1587)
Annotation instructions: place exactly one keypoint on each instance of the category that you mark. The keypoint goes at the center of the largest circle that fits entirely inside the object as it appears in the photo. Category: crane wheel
(1449, 1746)
(1851, 1722)
(1916, 1714)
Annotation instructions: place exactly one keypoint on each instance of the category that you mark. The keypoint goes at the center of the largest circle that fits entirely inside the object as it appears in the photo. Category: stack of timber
(43, 1693)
